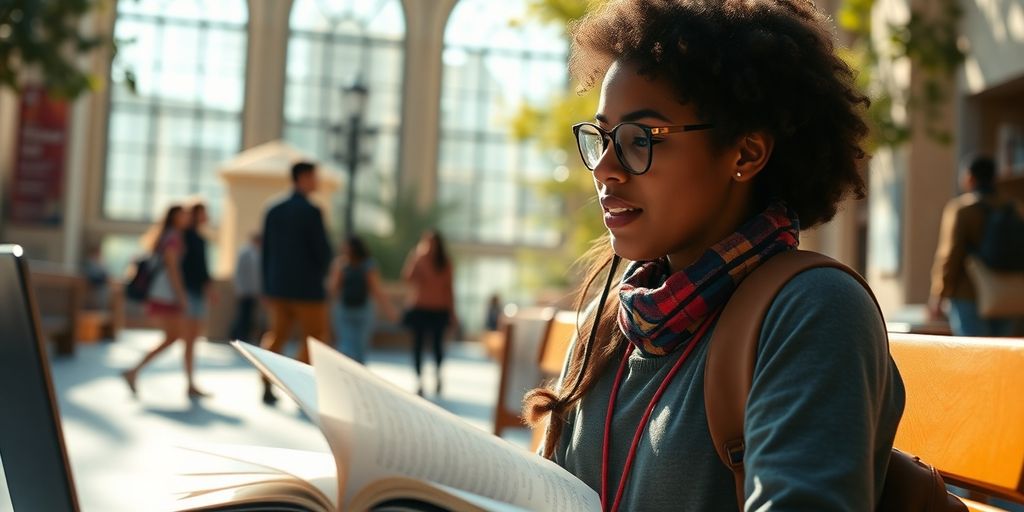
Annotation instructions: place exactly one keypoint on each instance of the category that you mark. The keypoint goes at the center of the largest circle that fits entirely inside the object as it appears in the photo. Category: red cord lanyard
(643, 421)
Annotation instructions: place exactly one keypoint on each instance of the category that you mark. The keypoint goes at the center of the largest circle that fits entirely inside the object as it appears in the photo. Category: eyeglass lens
(631, 143)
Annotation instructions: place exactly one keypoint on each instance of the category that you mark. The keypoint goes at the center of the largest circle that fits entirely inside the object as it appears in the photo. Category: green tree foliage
(43, 38)
(930, 41)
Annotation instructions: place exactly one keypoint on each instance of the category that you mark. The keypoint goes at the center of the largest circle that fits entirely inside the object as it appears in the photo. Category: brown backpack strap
(729, 368)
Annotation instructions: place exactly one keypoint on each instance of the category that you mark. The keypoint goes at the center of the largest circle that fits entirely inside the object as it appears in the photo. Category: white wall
(994, 30)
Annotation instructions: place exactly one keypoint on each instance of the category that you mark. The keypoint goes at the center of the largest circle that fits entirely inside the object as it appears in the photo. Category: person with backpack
(355, 285)
(166, 295)
(975, 224)
(723, 129)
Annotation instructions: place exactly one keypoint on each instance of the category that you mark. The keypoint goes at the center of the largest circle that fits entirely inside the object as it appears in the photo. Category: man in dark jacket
(296, 255)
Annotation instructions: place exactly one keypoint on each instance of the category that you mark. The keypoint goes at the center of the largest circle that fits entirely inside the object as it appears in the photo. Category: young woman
(429, 272)
(723, 128)
(168, 299)
(355, 283)
(196, 276)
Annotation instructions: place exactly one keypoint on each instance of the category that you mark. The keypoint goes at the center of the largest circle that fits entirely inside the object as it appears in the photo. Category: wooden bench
(965, 412)
(58, 297)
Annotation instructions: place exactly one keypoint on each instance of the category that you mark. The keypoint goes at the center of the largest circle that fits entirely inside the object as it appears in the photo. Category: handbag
(910, 484)
(1000, 294)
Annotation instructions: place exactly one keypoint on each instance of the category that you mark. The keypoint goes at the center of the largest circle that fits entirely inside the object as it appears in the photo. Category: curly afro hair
(746, 66)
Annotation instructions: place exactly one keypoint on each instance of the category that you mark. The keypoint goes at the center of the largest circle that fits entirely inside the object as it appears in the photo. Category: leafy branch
(43, 38)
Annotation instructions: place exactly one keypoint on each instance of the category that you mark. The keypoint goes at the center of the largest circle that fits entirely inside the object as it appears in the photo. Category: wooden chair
(525, 334)
(494, 343)
(556, 343)
(59, 300)
(964, 412)
(552, 357)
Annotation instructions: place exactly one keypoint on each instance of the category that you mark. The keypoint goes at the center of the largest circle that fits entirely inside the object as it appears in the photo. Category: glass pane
(332, 43)
(167, 141)
(494, 64)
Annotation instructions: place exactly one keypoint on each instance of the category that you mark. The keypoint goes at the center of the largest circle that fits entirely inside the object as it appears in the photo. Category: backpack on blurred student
(140, 277)
(355, 288)
(1002, 245)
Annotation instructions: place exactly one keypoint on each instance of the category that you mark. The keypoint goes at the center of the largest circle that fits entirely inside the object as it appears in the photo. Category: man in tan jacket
(963, 226)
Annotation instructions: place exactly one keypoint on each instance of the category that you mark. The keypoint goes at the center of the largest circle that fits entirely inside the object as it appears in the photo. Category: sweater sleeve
(950, 254)
(825, 400)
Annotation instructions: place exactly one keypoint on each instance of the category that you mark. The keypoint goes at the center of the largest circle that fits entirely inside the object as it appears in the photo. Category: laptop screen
(31, 442)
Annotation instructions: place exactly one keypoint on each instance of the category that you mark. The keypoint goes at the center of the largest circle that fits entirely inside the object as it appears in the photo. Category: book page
(294, 378)
(394, 493)
(377, 430)
(207, 469)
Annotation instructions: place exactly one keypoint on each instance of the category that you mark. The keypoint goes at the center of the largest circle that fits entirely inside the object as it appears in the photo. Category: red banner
(38, 184)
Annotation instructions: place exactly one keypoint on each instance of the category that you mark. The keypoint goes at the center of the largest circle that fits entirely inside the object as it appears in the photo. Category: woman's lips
(617, 218)
(618, 212)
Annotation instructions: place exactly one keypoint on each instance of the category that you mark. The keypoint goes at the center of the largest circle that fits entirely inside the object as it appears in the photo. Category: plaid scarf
(659, 312)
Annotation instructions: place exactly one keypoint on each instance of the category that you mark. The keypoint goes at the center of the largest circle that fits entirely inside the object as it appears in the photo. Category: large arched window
(183, 115)
(332, 45)
(496, 61)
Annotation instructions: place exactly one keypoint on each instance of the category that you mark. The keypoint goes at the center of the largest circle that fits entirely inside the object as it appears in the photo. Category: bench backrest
(556, 344)
(965, 411)
(525, 333)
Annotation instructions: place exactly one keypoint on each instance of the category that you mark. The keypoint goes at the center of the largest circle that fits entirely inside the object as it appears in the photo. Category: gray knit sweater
(820, 420)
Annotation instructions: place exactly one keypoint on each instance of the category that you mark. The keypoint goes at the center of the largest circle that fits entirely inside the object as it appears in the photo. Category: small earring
(739, 174)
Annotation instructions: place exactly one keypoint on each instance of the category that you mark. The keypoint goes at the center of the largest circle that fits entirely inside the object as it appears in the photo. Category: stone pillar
(924, 168)
(266, 65)
(421, 101)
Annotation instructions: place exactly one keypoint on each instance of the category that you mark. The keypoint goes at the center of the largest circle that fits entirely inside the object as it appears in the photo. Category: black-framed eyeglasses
(632, 142)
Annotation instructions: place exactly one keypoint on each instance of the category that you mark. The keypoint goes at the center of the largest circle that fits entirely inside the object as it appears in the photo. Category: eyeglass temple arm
(661, 130)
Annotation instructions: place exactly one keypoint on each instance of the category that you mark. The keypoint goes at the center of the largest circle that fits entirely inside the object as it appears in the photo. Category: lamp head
(354, 98)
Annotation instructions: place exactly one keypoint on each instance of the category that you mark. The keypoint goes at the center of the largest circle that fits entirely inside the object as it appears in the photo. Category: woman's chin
(632, 251)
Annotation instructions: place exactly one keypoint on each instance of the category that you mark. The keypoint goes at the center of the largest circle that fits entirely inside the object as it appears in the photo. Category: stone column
(421, 96)
(266, 65)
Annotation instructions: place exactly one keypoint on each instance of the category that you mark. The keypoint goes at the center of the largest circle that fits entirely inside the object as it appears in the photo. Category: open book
(389, 451)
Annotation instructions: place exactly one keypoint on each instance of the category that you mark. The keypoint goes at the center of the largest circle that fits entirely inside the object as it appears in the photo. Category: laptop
(32, 452)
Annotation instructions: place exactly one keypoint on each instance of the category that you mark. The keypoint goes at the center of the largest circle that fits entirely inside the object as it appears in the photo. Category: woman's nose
(609, 168)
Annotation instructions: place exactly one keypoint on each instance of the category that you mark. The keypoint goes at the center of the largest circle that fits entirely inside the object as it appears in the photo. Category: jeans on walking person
(964, 320)
(353, 326)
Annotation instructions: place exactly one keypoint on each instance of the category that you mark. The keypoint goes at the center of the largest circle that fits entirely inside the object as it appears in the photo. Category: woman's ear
(753, 152)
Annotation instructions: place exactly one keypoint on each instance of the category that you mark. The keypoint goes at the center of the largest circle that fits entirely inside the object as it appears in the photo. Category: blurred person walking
(428, 270)
(196, 275)
(961, 234)
(247, 289)
(296, 255)
(353, 283)
(168, 300)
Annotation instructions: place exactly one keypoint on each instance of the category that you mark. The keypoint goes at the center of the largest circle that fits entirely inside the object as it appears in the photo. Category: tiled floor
(121, 449)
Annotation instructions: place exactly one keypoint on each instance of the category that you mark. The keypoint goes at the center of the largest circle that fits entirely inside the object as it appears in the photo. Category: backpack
(1002, 245)
(910, 484)
(141, 273)
(355, 286)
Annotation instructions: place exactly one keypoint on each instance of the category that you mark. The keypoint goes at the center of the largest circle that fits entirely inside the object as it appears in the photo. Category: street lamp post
(354, 104)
